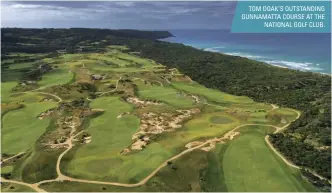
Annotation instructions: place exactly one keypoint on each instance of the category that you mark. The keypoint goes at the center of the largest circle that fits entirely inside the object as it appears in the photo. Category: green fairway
(6, 90)
(16, 66)
(220, 120)
(123, 118)
(167, 95)
(110, 136)
(21, 128)
(211, 94)
(250, 166)
(56, 77)
(6, 169)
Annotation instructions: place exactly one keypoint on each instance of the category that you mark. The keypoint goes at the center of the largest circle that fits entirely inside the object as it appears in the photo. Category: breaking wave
(295, 65)
(244, 55)
(303, 66)
(214, 49)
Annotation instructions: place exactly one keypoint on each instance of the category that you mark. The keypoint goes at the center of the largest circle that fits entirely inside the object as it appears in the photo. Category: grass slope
(250, 166)
(21, 128)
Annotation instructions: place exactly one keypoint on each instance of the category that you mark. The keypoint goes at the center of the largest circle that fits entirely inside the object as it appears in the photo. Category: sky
(118, 15)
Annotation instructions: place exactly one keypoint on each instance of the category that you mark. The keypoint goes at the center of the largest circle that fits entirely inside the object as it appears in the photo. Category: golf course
(115, 121)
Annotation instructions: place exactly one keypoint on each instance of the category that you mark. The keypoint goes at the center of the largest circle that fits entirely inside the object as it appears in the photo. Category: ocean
(305, 51)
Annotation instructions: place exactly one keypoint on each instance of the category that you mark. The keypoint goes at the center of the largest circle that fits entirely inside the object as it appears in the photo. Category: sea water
(305, 51)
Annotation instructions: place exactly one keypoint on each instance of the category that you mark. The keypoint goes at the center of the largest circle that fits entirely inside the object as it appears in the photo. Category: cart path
(4, 160)
(62, 177)
(33, 186)
(116, 87)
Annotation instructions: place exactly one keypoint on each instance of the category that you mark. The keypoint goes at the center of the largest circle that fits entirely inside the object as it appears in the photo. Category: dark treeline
(50, 40)
(306, 142)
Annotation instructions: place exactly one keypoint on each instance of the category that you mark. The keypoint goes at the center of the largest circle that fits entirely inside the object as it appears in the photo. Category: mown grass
(16, 66)
(101, 159)
(56, 77)
(6, 169)
(244, 164)
(211, 94)
(166, 94)
(250, 166)
(21, 128)
(6, 91)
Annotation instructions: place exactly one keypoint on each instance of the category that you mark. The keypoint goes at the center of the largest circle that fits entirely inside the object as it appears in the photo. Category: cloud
(125, 3)
(154, 15)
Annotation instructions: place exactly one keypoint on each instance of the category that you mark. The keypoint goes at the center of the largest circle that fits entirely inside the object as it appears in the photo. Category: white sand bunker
(123, 114)
(153, 124)
(212, 142)
(45, 114)
(142, 103)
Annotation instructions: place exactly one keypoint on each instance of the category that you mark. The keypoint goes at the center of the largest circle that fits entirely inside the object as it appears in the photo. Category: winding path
(62, 177)
(116, 87)
(45, 93)
(35, 187)
(161, 84)
(4, 160)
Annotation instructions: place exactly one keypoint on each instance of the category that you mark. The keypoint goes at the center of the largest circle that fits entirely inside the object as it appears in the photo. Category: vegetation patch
(220, 120)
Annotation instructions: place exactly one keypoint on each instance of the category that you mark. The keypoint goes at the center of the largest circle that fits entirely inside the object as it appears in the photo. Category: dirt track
(116, 87)
(62, 177)
(4, 160)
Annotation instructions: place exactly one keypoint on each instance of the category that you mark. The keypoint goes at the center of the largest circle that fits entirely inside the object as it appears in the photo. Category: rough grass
(250, 166)
(41, 165)
(10, 187)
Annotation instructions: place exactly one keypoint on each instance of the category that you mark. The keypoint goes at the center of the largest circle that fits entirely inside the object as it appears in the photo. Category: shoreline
(275, 65)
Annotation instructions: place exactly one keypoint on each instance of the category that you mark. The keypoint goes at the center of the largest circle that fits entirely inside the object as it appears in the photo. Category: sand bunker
(153, 124)
(46, 100)
(122, 114)
(212, 144)
(45, 114)
(142, 103)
